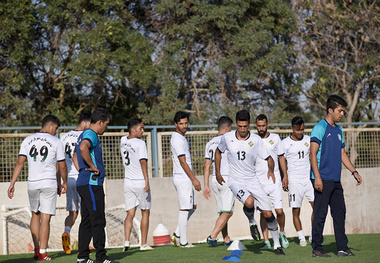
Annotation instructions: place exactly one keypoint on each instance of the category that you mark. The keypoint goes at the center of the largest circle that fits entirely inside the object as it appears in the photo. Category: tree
(339, 50)
(215, 57)
(340, 46)
(69, 56)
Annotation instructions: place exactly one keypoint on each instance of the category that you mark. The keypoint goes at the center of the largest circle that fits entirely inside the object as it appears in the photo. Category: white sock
(43, 250)
(127, 243)
(176, 232)
(273, 228)
(68, 229)
(182, 225)
(300, 235)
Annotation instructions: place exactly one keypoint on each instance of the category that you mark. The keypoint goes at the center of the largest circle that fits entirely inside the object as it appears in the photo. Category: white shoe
(127, 245)
(147, 247)
(188, 245)
(310, 239)
(303, 243)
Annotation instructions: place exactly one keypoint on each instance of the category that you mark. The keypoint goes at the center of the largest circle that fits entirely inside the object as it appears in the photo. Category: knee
(249, 202)
(267, 214)
(280, 212)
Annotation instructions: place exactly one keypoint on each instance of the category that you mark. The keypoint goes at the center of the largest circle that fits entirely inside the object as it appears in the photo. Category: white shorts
(136, 196)
(72, 196)
(43, 200)
(297, 191)
(274, 191)
(185, 194)
(242, 191)
(224, 197)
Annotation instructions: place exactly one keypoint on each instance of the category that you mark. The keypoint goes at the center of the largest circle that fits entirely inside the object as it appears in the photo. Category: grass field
(365, 246)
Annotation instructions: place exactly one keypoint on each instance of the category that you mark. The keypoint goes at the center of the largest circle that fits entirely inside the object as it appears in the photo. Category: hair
(50, 119)
(262, 117)
(84, 116)
(133, 123)
(180, 115)
(100, 114)
(333, 101)
(223, 122)
(297, 121)
(243, 115)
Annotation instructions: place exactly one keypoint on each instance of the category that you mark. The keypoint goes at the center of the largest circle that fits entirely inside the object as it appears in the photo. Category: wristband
(354, 172)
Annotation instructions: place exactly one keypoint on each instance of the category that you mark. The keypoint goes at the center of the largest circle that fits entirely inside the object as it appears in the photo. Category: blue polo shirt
(331, 142)
(86, 177)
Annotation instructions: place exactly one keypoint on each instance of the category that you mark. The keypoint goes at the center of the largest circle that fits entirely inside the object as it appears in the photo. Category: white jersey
(179, 147)
(297, 156)
(43, 151)
(274, 147)
(242, 156)
(132, 151)
(69, 141)
(210, 154)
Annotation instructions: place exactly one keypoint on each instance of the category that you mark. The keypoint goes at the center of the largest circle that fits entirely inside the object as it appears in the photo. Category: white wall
(361, 203)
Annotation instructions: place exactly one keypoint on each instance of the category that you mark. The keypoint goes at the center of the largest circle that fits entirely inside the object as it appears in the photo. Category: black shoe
(279, 251)
(255, 232)
(345, 253)
(85, 260)
(320, 253)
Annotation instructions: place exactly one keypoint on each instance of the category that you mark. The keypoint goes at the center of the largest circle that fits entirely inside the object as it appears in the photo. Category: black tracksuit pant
(332, 195)
(93, 221)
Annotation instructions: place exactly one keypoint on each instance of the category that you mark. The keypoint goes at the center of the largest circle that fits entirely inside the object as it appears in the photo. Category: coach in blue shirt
(89, 158)
(326, 155)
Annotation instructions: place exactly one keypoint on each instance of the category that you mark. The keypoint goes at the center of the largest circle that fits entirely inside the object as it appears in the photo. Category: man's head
(84, 121)
(181, 122)
(262, 125)
(224, 124)
(335, 107)
(50, 124)
(136, 128)
(243, 120)
(298, 127)
(100, 118)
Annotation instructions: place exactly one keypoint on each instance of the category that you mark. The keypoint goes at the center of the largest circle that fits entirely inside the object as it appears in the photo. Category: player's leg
(265, 231)
(276, 197)
(338, 212)
(35, 230)
(144, 204)
(312, 218)
(309, 193)
(72, 206)
(44, 232)
(144, 229)
(321, 203)
(298, 225)
(226, 238)
(85, 229)
(128, 223)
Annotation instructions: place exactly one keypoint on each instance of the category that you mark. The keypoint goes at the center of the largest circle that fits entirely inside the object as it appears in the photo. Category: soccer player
(297, 150)
(273, 188)
(183, 179)
(45, 154)
(136, 182)
(244, 148)
(89, 156)
(326, 156)
(69, 141)
(225, 199)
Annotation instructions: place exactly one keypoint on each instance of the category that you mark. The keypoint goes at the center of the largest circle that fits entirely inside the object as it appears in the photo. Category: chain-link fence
(362, 145)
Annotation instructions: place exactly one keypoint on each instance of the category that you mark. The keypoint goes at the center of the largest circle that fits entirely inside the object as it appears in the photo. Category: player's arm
(75, 161)
(62, 168)
(186, 168)
(58, 178)
(206, 175)
(16, 173)
(347, 162)
(218, 160)
(318, 184)
(271, 168)
(84, 148)
(144, 168)
(284, 172)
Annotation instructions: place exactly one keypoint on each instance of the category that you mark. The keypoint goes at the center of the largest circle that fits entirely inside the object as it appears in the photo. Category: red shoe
(44, 257)
(36, 252)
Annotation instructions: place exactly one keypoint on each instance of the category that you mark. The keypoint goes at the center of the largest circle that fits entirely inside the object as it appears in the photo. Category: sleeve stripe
(60, 160)
(181, 155)
(144, 159)
(22, 155)
(266, 159)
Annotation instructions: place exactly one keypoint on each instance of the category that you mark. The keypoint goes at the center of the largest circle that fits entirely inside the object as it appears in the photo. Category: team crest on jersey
(250, 144)
(271, 142)
(340, 137)
(306, 144)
